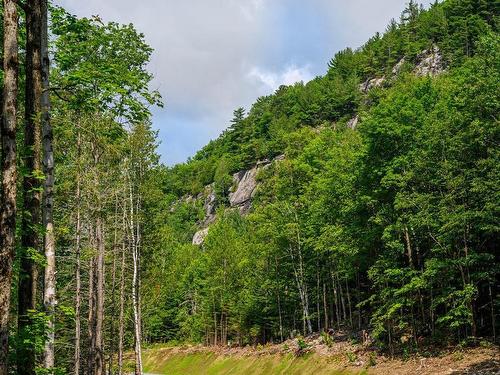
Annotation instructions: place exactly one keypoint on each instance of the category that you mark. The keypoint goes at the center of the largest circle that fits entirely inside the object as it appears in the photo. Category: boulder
(200, 236)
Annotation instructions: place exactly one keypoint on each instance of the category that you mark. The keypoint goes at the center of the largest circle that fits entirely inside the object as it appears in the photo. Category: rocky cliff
(244, 188)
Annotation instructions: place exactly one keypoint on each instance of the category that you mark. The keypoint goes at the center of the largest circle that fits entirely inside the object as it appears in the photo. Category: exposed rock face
(210, 205)
(371, 83)
(245, 183)
(397, 68)
(430, 62)
(352, 123)
(200, 236)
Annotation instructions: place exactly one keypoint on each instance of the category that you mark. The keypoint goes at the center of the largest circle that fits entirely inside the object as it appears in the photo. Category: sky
(213, 56)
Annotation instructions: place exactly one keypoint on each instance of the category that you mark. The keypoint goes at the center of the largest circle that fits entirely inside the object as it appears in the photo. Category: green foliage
(392, 226)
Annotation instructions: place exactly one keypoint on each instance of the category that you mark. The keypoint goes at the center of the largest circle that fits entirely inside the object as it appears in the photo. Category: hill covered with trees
(382, 215)
(364, 201)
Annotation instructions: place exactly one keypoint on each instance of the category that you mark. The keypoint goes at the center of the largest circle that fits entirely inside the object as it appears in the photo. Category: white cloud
(250, 8)
(288, 76)
(212, 56)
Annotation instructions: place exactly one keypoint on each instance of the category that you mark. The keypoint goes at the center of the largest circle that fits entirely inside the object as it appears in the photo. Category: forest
(374, 202)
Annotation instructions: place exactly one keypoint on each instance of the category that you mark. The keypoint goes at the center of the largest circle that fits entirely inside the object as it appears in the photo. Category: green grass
(169, 362)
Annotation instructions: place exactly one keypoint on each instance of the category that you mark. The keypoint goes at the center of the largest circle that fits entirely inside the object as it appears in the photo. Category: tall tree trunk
(135, 301)
(78, 265)
(318, 313)
(336, 299)
(31, 185)
(91, 312)
(300, 279)
(279, 302)
(349, 302)
(112, 339)
(9, 172)
(122, 298)
(325, 307)
(49, 297)
(99, 348)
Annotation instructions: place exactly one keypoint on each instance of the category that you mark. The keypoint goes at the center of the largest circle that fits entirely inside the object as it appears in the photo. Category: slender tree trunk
(99, 349)
(31, 186)
(137, 328)
(318, 303)
(342, 300)
(49, 298)
(9, 172)
(325, 307)
(92, 306)
(300, 279)
(122, 298)
(408, 247)
(492, 304)
(279, 303)
(336, 299)
(78, 265)
(112, 340)
(349, 302)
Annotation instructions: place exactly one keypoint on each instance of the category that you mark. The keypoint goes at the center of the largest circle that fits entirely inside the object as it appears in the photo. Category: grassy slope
(243, 361)
(167, 361)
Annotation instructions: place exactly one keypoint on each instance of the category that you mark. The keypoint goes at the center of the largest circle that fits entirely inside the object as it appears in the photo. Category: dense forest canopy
(374, 205)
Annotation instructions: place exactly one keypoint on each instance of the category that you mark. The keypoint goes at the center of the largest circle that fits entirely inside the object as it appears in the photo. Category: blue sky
(212, 56)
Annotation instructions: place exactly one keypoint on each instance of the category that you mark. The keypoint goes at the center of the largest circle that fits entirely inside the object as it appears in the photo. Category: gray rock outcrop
(245, 186)
(371, 83)
(200, 236)
(430, 63)
(210, 205)
(246, 183)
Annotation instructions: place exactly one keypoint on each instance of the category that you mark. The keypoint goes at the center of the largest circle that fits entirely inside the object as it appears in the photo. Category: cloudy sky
(212, 56)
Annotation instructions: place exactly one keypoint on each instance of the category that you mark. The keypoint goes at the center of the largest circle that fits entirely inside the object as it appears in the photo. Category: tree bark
(91, 312)
(99, 349)
(112, 339)
(49, 298)
(325, 307)
(122, 298)
(135, 300)
(31, 186)
(77, 254)
(9, 172)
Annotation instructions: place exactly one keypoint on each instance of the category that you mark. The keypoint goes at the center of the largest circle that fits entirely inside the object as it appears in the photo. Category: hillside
(348, 224)
(341, 358)
(366, 199)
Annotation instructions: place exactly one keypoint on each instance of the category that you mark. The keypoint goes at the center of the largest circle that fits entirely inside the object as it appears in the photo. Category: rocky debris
(430, 63)
(352, 123)
(200, 236)
(279, 157)
(397, 68)
(210, 205)
(371, 83)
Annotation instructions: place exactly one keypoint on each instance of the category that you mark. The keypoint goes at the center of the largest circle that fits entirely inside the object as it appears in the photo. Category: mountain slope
(381, 217)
